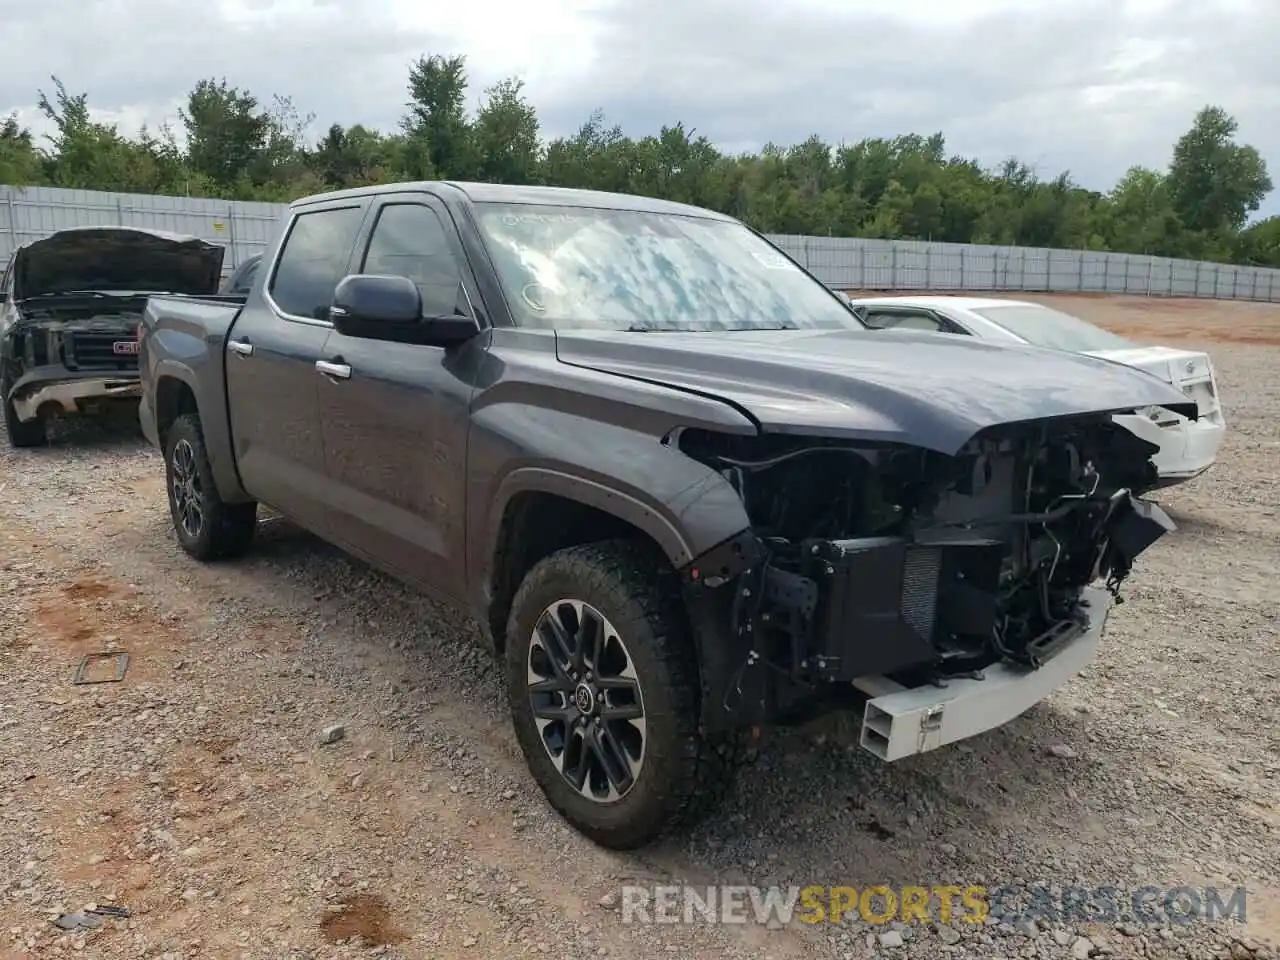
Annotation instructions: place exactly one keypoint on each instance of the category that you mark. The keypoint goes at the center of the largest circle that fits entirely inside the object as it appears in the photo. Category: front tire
(207, 528)
(602, 680)
(30, 433)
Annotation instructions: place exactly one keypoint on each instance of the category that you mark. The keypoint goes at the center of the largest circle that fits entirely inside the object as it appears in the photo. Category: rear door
(395, 426)
(271, 356)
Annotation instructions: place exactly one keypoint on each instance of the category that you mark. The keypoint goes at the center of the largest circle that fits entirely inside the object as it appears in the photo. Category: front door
(272, 384)
(395, 425)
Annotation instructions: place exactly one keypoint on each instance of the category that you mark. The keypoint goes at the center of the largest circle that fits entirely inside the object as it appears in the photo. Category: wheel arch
(175, 396)
(541, 511)
(180, 390)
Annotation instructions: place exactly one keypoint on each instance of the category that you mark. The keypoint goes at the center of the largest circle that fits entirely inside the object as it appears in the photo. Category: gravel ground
(198, 794)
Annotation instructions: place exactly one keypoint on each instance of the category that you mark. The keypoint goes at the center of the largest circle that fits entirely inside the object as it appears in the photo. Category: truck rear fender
(184, 372)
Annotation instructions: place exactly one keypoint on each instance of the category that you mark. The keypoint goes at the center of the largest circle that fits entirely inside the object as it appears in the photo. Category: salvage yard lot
(196, 792)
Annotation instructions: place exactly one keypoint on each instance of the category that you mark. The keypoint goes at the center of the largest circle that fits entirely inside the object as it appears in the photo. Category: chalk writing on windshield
(522, 219)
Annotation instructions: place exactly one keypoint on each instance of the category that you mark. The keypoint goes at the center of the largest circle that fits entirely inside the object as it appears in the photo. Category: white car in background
(1187, 447)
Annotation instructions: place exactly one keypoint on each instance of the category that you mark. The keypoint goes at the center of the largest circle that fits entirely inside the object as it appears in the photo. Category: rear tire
(610, 730)
(206, 527)
(29, 433)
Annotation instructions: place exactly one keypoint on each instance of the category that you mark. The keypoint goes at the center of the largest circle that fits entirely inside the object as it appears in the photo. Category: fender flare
(214, 419)
(590, 493)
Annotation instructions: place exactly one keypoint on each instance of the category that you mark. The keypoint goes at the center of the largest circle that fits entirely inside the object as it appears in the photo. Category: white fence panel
(28, 213)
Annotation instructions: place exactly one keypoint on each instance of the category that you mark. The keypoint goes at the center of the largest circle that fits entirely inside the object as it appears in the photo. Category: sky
(1087, 86)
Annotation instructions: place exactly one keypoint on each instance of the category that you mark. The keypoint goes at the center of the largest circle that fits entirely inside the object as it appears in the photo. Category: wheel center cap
(584, 699)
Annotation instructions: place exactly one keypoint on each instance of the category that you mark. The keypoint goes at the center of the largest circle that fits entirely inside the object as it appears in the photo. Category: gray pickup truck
(681, 487)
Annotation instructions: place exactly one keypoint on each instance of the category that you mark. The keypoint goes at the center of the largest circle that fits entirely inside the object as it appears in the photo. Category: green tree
(1259, 245)
(88, 155)
(227, 133)
(1141, 217)
(907, 186)
(438, 134)
(1214, 182)
(355, 157)
(20, 161)
(506, 135)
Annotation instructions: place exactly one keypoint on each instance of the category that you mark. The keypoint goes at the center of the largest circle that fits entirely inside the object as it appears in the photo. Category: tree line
(238, 147)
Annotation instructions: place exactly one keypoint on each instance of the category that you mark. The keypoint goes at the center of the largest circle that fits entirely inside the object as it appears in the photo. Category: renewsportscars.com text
(941, 904)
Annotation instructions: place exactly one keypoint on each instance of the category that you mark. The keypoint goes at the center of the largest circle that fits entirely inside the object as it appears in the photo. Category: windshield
(583, 267)
(1052, 328)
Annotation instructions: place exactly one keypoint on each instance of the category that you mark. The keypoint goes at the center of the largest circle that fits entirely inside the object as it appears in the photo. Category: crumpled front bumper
(901, 721)
(73, 395)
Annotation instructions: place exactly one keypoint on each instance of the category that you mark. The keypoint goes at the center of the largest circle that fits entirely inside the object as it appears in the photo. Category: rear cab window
(241, 279)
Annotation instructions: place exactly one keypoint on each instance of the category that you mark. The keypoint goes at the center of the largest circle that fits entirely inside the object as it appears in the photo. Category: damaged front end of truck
(952, 590)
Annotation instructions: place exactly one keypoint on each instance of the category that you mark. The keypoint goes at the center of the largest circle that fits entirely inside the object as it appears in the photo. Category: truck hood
(116, 259)
(930, 390)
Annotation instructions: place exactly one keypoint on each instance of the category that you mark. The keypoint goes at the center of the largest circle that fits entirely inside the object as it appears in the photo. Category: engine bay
(882, 559)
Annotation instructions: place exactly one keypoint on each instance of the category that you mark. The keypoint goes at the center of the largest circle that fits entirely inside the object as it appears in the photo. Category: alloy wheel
(586, 700)
(184, 484)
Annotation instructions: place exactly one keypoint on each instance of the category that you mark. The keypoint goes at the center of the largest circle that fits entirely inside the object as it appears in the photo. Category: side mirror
(390, 308)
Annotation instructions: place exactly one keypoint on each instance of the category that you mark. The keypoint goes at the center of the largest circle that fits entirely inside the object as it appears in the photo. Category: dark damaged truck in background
(683, 489)
(70, 305)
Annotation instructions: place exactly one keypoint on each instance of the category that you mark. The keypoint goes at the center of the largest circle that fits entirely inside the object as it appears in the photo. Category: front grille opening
(97, 351)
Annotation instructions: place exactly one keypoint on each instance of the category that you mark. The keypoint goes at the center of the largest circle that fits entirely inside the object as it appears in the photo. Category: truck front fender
(685, 517)
(683, 506)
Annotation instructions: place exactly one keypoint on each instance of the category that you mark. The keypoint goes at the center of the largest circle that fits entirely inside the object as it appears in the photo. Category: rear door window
(313, 260)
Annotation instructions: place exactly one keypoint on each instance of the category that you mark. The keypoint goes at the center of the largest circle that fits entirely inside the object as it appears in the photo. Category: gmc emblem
(127, 347)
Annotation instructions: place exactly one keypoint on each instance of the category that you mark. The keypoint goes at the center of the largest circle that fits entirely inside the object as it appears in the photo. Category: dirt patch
(87, 590)
(365, 917)
(1153, 320)
(1157, 321)
(92, 616)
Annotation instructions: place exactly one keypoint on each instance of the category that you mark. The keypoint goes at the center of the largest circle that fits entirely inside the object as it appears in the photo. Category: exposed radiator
(920, 572)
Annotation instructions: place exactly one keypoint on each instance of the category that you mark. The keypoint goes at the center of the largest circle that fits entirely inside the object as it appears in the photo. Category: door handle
(242, 347)
(340, 371)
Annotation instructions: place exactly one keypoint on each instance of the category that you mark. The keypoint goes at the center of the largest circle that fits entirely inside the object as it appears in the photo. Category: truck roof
(513, 193)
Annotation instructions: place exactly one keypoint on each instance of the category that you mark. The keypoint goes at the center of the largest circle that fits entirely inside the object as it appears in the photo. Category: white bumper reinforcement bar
(901, 721)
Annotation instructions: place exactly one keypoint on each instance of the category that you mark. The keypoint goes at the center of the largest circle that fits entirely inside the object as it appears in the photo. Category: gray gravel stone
(1173, 774)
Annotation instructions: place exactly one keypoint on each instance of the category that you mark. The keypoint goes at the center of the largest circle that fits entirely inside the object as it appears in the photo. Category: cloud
(1090, 86)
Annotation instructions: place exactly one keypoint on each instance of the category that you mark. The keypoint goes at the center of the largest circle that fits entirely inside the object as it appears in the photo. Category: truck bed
(183, 346)
(197, 316)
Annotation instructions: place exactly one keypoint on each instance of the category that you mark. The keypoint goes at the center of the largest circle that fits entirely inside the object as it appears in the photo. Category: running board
(901, 722)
